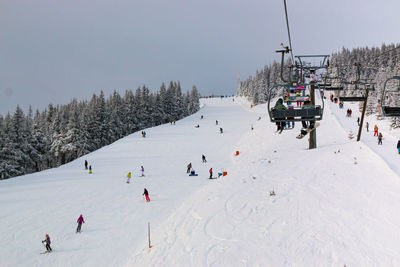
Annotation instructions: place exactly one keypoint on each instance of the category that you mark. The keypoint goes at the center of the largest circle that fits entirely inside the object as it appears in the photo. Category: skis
(45, 252)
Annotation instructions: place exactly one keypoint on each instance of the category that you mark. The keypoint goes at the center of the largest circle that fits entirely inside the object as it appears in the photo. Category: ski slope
(334, 205)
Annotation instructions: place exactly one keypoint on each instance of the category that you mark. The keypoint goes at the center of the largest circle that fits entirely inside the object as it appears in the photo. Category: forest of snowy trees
(60, 134)
(376, 63)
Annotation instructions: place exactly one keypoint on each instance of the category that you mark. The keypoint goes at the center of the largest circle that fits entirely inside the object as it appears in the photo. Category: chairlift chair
(390, 111)
(295, 114)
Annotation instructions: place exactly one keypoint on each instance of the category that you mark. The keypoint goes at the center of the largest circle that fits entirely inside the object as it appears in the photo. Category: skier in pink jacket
(80, 221)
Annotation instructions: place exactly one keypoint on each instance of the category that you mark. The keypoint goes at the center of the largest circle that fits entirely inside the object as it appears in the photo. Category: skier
(146, 194)
(86, 164)
(128, 176)
(376, 130)
(201, 117)
(279, 106)
(197, 126)
(189, 166)
(80, 221)
(367, 125)
(350, 112)
(220, 130)
(90, 169)
(216, 122)
(358, 121)
(211, 173)
(203, 158)
(398, 146)
(48, 242)
(142, 170)
(380, 139)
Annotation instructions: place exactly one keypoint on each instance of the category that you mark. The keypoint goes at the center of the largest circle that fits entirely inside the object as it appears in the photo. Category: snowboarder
(211, 173)
(193, 173)
(86, 164)
(221, 130)
(203, 158)
(358, 121)
(90, 169)
(380, 139)
(189, 166)
(80, 221)
(128, 176)
(48, 242)
(216, 122)
(146, 194)
(398, 146)
(367, 125)
(142, 170)
(376, 130)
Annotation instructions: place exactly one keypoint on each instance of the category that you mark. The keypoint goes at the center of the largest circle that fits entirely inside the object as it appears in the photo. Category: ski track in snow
(327, 211)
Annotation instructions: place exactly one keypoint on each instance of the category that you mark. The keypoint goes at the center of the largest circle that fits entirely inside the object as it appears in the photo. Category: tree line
(62, 133)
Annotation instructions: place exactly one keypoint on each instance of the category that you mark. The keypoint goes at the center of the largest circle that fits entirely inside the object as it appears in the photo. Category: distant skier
(201, 117)
(90, 169)
(376, 130)
(80, 221)
(216, 122)
(367, 125)
(350, 112)
(358, 121)
(197, 126)
(128, 176)
(189, 166)
(48, 242)
(398, 146)
(142, 170)
(221, 130)
(86, 164)
(211, 173)
(203, 158)
(146, 194)
(380, 139)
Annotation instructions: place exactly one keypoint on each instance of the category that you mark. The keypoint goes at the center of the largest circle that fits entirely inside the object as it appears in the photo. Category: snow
(334, 205)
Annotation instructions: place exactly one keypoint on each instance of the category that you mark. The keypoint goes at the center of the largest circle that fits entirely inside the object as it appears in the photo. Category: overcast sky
(54, 50)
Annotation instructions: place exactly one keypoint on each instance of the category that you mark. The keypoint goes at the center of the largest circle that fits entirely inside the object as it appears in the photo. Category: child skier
(211, 173)
(146, 194)
(90, 169)
(48, 242)
(80, 221)
(142, 170)
(129, 175)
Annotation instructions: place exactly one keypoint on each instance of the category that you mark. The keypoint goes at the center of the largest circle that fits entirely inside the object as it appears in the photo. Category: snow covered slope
(334, 205)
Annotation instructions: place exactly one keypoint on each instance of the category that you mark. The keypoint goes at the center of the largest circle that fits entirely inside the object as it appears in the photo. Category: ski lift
(390, 111)
(295, 114)
(352, 98)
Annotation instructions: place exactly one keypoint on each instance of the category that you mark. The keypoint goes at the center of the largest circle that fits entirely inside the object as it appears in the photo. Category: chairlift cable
(288, 30)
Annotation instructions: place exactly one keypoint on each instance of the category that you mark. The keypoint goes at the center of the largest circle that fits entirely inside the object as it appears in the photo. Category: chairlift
(390, 111)
(294, 113)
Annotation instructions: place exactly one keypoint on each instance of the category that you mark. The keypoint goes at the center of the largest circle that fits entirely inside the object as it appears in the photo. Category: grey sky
(54, 50)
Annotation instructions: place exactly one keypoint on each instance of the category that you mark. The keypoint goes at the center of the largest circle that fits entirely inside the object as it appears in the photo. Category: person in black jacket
(398, 146)
(146, 194)
(86, 164)
(203, 158)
